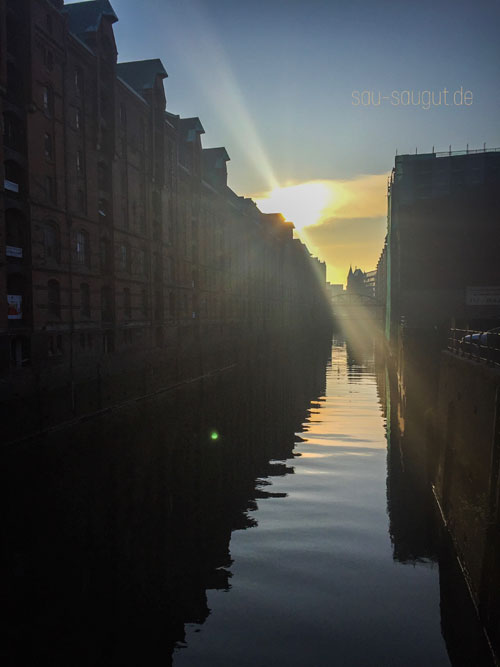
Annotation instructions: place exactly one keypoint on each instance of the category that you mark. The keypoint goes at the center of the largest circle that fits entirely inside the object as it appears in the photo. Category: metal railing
(478, 345)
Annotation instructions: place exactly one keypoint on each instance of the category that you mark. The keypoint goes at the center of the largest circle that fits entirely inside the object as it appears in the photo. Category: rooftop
(84, 17)
(141, 74)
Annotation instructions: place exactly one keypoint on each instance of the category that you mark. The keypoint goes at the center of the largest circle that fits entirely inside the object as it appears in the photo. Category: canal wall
(466, 482)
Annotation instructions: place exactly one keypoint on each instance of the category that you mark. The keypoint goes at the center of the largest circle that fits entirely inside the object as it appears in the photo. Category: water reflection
(116, 529)
(315, 583)
(127, 540)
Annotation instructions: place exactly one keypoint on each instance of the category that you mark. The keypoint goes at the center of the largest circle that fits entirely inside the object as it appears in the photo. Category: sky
(290, 88)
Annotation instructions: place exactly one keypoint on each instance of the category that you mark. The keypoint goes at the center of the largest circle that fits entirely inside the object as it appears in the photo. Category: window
(82, 247)
(54, 299)
(81, 201)
(102, 176)
(106, 304)
(105, 256)
(55, 345)
(78, 119)
(48, 23)
(50, 189)
(13, 176)
(20, 351)
(141, 263)
(102, 207)
(48, 59)
(15, 295)
(78, 78)
(84, 300)
(79, 163)
(125, 258)
(48, 146)
(171, 304)
(52, 242)
(15, 82)
(157, 263)
(144, 301)
(15, 231)
(127, 305)
(13, 132)
(48, 100)
(156, 230)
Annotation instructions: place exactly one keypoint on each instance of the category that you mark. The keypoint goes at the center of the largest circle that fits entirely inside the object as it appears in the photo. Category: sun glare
(302, 204)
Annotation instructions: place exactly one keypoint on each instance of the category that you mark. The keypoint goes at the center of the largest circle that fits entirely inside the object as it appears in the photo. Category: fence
(478, 345)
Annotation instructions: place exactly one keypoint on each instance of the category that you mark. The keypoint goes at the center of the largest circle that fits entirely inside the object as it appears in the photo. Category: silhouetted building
(443, 240)
(125, 250)
(357, 283)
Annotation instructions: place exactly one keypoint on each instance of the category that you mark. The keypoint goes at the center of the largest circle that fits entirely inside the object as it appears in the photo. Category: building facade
(128, 263)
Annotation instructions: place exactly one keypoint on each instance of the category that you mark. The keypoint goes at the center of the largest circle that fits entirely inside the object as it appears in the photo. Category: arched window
(83, 247)
(15, 228)
(84, 300)
(52, 241)
(54, 299)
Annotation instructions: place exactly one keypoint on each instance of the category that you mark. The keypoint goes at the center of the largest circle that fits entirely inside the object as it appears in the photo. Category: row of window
(54, 301)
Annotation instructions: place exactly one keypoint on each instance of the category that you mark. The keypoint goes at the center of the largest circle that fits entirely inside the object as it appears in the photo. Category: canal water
(315, 581)
(267, 515)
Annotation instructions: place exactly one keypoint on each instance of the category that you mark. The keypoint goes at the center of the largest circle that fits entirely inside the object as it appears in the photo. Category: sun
(302, 204)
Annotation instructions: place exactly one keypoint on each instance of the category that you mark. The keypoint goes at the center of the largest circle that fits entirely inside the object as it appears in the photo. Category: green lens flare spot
(214, 435)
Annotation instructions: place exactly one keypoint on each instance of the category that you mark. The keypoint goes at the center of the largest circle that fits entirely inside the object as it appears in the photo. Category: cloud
(345, 241)
(343, 221)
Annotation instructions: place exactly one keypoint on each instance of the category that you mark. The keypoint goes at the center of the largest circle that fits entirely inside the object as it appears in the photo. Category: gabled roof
(215, 158)
(85, 17)
(190, 127)
(141, 74)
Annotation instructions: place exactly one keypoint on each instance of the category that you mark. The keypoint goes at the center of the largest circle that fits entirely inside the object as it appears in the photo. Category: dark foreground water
(265, 516)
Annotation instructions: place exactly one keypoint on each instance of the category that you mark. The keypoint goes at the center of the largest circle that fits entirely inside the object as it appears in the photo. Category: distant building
(359, 283)
(371, 282)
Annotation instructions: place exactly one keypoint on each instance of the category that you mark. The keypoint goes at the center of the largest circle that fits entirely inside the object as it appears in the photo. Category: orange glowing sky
(342, 221)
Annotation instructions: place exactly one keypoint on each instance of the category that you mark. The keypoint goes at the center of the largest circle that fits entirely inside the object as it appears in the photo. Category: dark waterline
(295, 537)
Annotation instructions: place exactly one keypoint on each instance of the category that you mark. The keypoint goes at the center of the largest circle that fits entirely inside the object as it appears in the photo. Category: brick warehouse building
(127, 261)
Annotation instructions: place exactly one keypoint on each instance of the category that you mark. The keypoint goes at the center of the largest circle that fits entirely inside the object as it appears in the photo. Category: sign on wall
(483, 296)
(15, 307)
